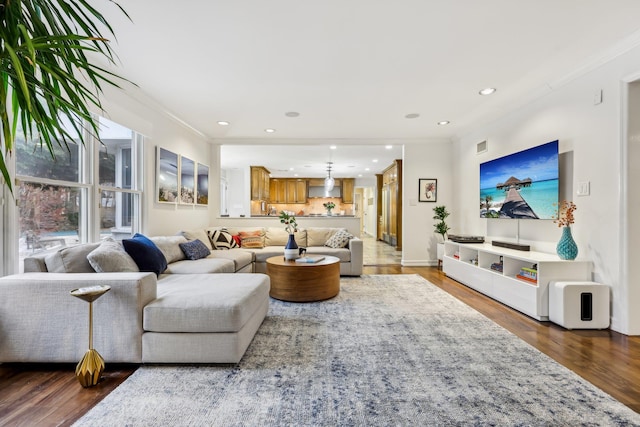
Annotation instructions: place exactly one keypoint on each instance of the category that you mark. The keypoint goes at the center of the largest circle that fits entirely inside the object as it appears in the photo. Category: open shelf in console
(529, 297)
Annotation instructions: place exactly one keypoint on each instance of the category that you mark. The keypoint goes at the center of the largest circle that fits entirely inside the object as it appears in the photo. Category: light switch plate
(584, 188)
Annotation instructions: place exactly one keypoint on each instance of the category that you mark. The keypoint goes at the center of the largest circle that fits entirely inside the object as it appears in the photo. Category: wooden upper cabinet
(301, 191)
(348, 185)
(259, 183)
(288, 190)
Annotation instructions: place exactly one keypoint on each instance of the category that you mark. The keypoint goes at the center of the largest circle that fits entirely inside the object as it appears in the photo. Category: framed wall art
(187, 181)
(202, 185)
(428, 190)
(167, 176)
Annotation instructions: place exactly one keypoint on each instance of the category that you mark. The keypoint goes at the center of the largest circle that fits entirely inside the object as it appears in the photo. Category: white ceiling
(354, 69)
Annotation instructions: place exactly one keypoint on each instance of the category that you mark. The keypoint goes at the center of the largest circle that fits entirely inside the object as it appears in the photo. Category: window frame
(88, 184)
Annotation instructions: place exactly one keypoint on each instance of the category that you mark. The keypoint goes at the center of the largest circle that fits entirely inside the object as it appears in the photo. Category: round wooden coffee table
(304, 282)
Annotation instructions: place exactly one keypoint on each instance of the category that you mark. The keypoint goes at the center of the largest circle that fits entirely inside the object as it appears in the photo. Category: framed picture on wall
(428, 189)
(167, 176)
(202, 185)
(187, 181)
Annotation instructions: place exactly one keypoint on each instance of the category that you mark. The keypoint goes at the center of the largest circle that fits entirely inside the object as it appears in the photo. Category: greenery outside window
(56, 196)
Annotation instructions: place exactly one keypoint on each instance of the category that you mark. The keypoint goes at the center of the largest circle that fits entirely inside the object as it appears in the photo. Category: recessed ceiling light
(367, 169)
(292, 114)
(375, 160)
(444, 122)
(269, 130)
(360, 175)
(290, 169)
(333, 147)
(223, 123)
(412, 116)
(388, 147)
(487, 91)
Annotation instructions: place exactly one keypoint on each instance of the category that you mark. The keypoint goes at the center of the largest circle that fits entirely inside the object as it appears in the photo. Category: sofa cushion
(194, 249)
(239, 257)
(198, 234)
(278, 236)
(145, 253)
(339, 240)
(318, 236)
(201, 266)
(221, 239)
(71, 260)
(262, 254)
(110, 257)
(344, 254)
(170, 247)
(205, 302)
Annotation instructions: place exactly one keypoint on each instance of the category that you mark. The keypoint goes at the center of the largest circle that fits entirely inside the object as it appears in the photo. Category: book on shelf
(310, 259)
(526, 279)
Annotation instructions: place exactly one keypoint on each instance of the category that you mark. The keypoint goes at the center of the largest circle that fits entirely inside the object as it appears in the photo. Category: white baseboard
(419, 263)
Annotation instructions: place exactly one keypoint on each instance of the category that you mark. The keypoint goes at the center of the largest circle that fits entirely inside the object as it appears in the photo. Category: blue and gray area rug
(389, 350)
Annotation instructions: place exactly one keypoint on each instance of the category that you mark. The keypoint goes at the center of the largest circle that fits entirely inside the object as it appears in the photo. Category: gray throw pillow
(195, 249)
(110, 257)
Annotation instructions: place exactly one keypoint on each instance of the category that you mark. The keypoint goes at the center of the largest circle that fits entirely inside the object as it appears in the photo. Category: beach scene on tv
(521, 185)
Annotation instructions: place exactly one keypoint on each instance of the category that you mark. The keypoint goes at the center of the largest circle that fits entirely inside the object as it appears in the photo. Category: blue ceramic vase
(567, 248)
(291, 248)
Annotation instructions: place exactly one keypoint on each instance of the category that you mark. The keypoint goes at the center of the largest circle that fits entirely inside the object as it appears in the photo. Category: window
(117, 178)
(55, 195)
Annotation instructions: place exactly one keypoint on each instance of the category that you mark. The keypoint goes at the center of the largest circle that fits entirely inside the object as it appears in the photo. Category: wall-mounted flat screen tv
(521, 185)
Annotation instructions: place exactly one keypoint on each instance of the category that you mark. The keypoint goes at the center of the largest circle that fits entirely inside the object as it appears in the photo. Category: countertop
(297, 216)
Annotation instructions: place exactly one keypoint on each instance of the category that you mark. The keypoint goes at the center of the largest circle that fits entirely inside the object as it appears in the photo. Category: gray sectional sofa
(193, 312)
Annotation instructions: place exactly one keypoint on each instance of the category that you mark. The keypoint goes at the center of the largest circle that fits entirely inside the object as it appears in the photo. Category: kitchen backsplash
(312, 207)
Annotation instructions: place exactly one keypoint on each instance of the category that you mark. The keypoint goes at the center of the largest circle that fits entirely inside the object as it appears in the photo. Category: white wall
(592, 133)
(425, 159)
(160, 129)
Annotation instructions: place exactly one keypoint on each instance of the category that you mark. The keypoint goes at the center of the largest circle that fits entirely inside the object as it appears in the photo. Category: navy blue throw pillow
(195, 249)
(145, 253)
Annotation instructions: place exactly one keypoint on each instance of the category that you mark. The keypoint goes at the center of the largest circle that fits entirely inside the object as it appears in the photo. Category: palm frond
(47, 78)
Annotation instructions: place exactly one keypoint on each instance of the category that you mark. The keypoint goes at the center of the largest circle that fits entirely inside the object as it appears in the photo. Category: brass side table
(91, 367)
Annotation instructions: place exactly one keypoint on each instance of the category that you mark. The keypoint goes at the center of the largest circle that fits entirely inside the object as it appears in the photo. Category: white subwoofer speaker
(579, 305)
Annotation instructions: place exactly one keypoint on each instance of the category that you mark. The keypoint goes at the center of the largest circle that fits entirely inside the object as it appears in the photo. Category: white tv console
(531, 298)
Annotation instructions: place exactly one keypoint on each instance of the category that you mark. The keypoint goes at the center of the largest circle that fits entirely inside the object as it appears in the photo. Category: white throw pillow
(110, 257)
(339, 240)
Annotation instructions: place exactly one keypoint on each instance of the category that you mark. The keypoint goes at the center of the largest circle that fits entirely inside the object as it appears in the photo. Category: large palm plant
(47, 79)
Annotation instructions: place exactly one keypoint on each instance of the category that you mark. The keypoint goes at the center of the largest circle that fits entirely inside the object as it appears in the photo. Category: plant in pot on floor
(441, 227)
(291, 226)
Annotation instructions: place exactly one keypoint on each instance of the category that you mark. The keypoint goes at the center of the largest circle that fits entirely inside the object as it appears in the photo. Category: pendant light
(329, 182)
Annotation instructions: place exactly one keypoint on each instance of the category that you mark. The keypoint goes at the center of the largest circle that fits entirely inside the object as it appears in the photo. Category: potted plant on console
(441, 228)
(291, 226)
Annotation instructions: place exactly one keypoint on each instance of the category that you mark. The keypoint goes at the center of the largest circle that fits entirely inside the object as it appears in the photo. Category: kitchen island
(350, 222)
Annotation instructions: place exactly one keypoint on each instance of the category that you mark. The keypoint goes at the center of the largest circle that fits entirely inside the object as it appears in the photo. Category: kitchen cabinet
(391, 196)
(288, 190)
(259, 183)
(348, 185)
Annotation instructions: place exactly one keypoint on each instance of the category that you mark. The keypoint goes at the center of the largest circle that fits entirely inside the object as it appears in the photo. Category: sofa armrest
(41, 322)
(357, 256)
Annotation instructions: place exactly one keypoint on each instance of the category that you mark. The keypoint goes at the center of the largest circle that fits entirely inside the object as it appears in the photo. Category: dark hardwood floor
(49, 395)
